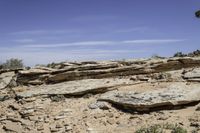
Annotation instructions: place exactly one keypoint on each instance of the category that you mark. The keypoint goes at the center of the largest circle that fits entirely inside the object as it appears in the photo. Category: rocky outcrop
(175, 95)
(192, 75)
(96, 96)
(6, 79)
(100, 70)
(74, 88)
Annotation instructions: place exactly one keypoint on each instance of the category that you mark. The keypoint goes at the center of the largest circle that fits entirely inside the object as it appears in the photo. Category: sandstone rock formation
(174, 95)
(5, 79)
(193, 75)
(101, 96)
(103, 70)
(74, 88)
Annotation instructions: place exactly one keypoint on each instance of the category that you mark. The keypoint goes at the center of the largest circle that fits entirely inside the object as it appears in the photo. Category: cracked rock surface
(101, 96)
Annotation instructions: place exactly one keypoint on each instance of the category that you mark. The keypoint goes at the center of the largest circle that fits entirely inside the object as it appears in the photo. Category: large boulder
(175, 95)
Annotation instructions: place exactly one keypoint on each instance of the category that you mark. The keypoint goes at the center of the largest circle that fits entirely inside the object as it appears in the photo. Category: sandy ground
(76, 115)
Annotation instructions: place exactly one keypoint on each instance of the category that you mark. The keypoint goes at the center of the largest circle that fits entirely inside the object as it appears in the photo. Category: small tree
(197, 14)
(179, 54)
(13, 64)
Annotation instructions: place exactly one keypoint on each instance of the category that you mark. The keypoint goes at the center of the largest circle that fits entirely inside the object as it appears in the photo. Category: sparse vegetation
(12, 63)
(151, 129)
(40, 65)
(51, 65)
(156, 56)
(197, 14)
(179, 54)
(191, 54)
(158, 128)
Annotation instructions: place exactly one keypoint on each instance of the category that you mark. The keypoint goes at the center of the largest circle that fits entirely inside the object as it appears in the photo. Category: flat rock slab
(193, 75)
(12, 127)
(79, 87)
(175, 95)
(5, 79)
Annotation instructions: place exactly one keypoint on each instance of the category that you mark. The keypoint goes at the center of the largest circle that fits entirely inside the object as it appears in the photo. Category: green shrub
(12, 63)
(151, 129)
(157, 128)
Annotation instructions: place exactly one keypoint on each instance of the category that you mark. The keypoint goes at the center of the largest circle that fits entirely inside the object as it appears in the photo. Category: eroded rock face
(99, 70)
(33, 76)
(192, 75)
(5, 79)
(174, 95)
(74, 88)
(78, 96)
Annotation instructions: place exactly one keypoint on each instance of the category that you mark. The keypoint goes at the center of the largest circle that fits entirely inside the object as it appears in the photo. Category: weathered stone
(174, 95)
(198, 107)
(31, 99)
(53, 129)
(14, 107)
(111, 121)
(57, 98)
(40, 128)
(74, 88)
(12, 126)
(27, 112)
(5, 79)
(140, 85)
(195, 124)
(33, 76)
(110, 115)
(193, 75)
(105, 70)
(60, 117)
(100, 105)
(35, 71)
(3, 97)
(59, 125)
(68, 128)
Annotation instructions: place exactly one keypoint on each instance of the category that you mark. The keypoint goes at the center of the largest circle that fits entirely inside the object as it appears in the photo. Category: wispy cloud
(29, 56)
(135, 29)
(153, 41)
(45, 53)
(27, 40)
(86, 43)
(93, 18)
(100, 43)
(43, 32)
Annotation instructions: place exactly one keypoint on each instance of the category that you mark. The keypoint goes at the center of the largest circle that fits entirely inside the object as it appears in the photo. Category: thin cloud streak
(100, 43)
(135, 29)
(27, 40)
(43, 57)
(87, 43)
(153, 41)
(93, 18)
(43, 32)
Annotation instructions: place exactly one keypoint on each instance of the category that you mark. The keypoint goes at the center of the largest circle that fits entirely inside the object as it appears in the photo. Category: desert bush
(40, 65)
(158, 128)
(156, 56)
(151, 129)
(12, 63)
(179, 54)
(51, 65)
(197, 14)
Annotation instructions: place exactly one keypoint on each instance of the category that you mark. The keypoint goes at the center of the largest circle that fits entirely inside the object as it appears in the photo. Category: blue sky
(42, 31)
